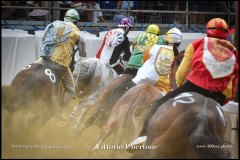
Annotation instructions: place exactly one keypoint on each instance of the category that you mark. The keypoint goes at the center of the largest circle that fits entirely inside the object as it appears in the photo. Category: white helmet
(71, 16)
(174, 35)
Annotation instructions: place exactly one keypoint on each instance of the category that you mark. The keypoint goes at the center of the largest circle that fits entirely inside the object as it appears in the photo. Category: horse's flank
(129, 112)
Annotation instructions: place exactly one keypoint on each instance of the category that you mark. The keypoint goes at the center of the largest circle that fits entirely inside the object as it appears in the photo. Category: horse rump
(189, 125)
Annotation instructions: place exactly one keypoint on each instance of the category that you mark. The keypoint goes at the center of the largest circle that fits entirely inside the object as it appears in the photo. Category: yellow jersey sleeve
(146, 56)
(185, 66)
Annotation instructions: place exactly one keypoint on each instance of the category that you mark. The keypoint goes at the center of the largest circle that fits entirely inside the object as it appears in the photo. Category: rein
(75, 62)
(179, 56)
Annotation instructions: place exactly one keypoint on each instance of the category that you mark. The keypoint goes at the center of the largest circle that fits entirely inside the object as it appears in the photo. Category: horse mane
(107, 99)
(113, 97)
(142, 97)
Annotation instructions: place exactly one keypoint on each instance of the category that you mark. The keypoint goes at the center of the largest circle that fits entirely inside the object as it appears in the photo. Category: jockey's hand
(123, 63)
(72, 66)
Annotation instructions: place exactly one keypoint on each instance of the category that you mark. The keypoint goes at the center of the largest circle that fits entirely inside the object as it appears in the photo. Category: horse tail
(142, 97)
(132, 111)
(105, 101)
(206, 143)
(6, 90)
(10, 99)
(112, 99)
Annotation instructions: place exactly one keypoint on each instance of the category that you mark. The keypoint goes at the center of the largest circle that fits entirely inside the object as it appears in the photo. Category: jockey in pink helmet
(115, 42)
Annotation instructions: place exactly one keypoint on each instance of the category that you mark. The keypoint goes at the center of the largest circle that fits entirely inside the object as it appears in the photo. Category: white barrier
(18, 50)
(231, 107)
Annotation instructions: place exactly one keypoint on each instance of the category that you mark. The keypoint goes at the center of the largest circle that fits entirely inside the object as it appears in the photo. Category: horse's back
(35, 82)
(130, 110)
(184, 126)
(36, 71)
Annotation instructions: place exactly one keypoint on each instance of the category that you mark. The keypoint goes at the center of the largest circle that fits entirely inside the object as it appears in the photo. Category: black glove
(72, 66)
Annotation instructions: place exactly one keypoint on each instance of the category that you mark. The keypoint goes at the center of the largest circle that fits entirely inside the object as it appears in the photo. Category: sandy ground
(54, 141)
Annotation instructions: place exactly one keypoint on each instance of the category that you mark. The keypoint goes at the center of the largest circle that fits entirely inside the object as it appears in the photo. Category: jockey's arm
(81, 47)
(134, 43)
(146, 56)
(124, 46)
(127, 52)
(46, 31)
(185, 66)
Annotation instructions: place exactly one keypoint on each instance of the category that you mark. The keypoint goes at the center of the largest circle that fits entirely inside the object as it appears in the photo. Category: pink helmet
(125, 22)
(217, 28)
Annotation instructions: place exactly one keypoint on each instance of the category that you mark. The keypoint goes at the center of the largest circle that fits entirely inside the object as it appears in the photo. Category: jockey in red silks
(209, 67)
(115, 42)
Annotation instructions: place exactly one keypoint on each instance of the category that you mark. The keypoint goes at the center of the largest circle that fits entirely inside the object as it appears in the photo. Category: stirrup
(134, 145)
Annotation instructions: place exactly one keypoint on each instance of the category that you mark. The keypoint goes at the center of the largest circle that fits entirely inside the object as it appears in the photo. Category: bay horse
(189, 125)
(129, 112)
(37, 89)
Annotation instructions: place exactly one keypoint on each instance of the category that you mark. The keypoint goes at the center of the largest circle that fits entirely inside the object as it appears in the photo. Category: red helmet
(217, 28)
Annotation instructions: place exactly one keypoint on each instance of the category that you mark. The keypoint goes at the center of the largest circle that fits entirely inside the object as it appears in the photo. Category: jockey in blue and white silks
(58, 44)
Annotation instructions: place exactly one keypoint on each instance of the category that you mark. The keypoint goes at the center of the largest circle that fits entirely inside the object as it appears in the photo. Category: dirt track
(52, 141)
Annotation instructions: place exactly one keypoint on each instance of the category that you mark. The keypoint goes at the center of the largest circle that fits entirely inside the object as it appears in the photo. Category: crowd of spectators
(95, 16)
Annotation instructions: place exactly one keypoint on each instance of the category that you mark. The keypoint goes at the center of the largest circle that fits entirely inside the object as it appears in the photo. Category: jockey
(210, 67)
(158, 60)
(115, 42)
(58, 44)
(140, 45)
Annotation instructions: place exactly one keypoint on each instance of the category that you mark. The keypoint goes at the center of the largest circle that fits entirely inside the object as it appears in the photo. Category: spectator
(64, 4)
(122, 5)
(94, 16)
(5, 12)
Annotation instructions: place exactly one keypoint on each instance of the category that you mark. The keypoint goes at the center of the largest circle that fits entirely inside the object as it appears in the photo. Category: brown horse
(36, 89)
(187, 126)
(109, 96)
(128, 114)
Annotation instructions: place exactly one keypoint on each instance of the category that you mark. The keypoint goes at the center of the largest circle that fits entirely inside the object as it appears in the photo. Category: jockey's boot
(135, 145)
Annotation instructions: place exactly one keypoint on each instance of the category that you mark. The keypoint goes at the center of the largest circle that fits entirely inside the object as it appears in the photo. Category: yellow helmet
(154, 29)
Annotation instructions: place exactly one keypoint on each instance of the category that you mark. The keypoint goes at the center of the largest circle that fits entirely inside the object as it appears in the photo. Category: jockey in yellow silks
(157, 62)
(140, 45)
(58, 44)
